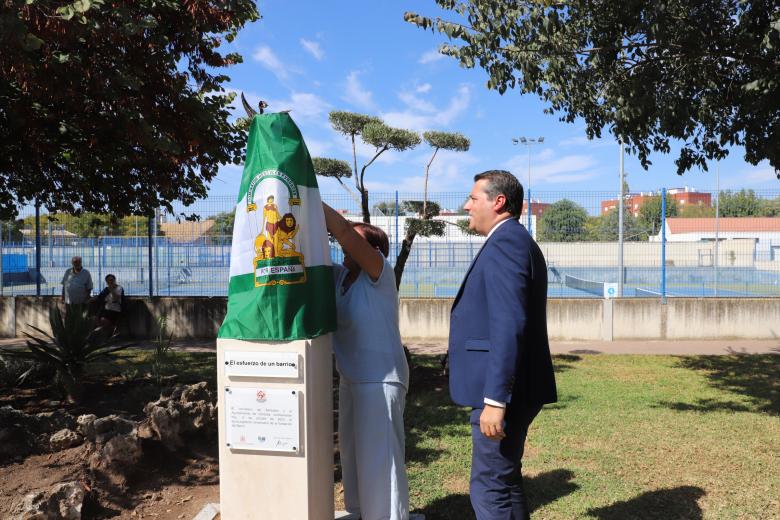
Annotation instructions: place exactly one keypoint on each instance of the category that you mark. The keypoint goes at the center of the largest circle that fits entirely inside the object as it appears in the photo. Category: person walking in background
(76, 283)
(111, 303)
(374, 375)
(499, 356)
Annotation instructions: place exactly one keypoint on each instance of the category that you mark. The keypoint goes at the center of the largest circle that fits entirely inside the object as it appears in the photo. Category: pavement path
(435, 347)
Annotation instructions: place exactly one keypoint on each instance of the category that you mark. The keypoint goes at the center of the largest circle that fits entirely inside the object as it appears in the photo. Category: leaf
(81, 6)
(31, 42)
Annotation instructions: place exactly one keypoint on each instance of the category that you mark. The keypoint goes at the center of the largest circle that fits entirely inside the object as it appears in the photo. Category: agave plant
(73, 343)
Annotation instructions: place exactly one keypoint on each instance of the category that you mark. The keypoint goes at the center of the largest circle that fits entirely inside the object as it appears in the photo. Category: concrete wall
(428, 319)
(7, 313)
(33, 310)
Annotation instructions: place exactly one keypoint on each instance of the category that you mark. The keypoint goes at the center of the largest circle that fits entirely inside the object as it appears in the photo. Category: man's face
(76, 263)
(482, 212)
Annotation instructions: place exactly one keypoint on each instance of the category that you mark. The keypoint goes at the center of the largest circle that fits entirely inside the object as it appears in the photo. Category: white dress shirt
(491, 402)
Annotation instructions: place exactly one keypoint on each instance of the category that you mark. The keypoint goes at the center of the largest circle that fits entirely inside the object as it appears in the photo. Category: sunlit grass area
(632, 437)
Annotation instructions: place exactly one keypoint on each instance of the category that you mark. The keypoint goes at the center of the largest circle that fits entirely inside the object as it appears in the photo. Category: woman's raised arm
(364, 254)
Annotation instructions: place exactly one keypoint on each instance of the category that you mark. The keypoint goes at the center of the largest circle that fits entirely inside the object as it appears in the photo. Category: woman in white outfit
(373, 373)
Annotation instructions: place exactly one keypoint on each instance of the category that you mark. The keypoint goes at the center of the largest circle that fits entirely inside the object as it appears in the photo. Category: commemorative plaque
(262, 419)
(242, 363)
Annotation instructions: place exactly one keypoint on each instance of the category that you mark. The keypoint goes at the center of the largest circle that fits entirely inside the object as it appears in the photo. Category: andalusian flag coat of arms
(281, 279)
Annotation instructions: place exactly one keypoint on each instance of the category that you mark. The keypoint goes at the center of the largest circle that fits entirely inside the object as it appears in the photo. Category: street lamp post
(621, 204)
(528, 142)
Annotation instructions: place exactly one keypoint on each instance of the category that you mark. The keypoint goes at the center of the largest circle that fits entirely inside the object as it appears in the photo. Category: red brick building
(683, 196)
(537, 208)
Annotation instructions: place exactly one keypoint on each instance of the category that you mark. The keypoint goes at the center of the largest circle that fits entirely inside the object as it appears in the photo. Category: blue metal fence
(663, 257)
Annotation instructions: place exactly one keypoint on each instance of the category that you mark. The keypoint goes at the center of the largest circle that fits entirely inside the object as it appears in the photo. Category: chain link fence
(672, 246)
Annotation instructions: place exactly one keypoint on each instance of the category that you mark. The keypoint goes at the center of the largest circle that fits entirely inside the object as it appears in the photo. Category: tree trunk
(364, 205)
(403, 255)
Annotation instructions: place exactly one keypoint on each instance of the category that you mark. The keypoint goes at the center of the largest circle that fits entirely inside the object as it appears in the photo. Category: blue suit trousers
(496, 487)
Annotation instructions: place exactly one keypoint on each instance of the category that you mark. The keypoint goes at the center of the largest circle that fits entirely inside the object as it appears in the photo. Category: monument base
(275, 429)
(211, 512)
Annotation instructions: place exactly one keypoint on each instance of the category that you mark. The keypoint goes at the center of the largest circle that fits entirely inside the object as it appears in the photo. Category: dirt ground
(165, 485)
(169, 487)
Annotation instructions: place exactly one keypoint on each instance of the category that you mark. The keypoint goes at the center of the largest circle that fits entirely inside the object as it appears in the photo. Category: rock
(111, 425)
(187, 410)
(122, 450)
(115, 448)
(65, 439)
(48, 422)
(209, 512)
(62, 502)
(15, 441)
(85, 425)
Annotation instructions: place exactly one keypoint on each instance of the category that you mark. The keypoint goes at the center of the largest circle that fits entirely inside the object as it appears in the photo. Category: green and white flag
(281, 279)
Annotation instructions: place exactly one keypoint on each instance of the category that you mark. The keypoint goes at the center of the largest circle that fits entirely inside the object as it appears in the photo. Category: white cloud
(415, 103)
(760, 176)
(582, 140)
(566, 169)
(357, 94)
(266, 57)
(431, 117)
(313, 48)
(431, 56)
(424, 88)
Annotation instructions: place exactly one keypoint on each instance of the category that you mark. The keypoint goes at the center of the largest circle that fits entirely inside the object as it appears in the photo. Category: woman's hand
(364, 254)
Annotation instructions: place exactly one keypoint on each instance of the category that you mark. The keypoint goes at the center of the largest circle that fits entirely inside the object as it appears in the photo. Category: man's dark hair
(375, 236)
(501, 182)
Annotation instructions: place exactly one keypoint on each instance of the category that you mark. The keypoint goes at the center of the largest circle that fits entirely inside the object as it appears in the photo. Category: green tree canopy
(743, 203)
(705, 73)
(375, 133)
(382, 138)
(605, 228)
(649, 219)
(117, 107)
(696, 211)
(454, 141)
(563, 221)
(333, 168)
(223, 223)
(388, 208)
(91, 225)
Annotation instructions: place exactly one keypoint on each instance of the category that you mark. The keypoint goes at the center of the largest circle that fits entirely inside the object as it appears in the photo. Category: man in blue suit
(499, 357)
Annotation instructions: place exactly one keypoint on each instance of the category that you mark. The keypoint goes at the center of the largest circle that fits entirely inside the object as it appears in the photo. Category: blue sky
(315, 56)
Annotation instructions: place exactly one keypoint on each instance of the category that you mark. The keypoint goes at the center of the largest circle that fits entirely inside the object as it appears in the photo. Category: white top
(367, 341)
(77, 286)
(114, 298)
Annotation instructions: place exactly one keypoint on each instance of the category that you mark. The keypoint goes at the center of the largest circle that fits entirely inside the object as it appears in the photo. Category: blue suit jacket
(498, 345)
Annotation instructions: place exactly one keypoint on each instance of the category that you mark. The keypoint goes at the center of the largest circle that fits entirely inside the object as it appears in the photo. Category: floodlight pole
(621, 203)
(717, 224)
(527, 142)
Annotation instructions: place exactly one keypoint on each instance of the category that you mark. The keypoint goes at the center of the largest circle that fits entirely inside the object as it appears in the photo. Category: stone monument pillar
(274, 465)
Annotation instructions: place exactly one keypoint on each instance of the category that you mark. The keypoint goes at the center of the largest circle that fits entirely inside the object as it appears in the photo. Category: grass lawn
(632, 437)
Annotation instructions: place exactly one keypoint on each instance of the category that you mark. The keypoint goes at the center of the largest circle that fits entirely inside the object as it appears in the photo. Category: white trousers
(371, 443)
